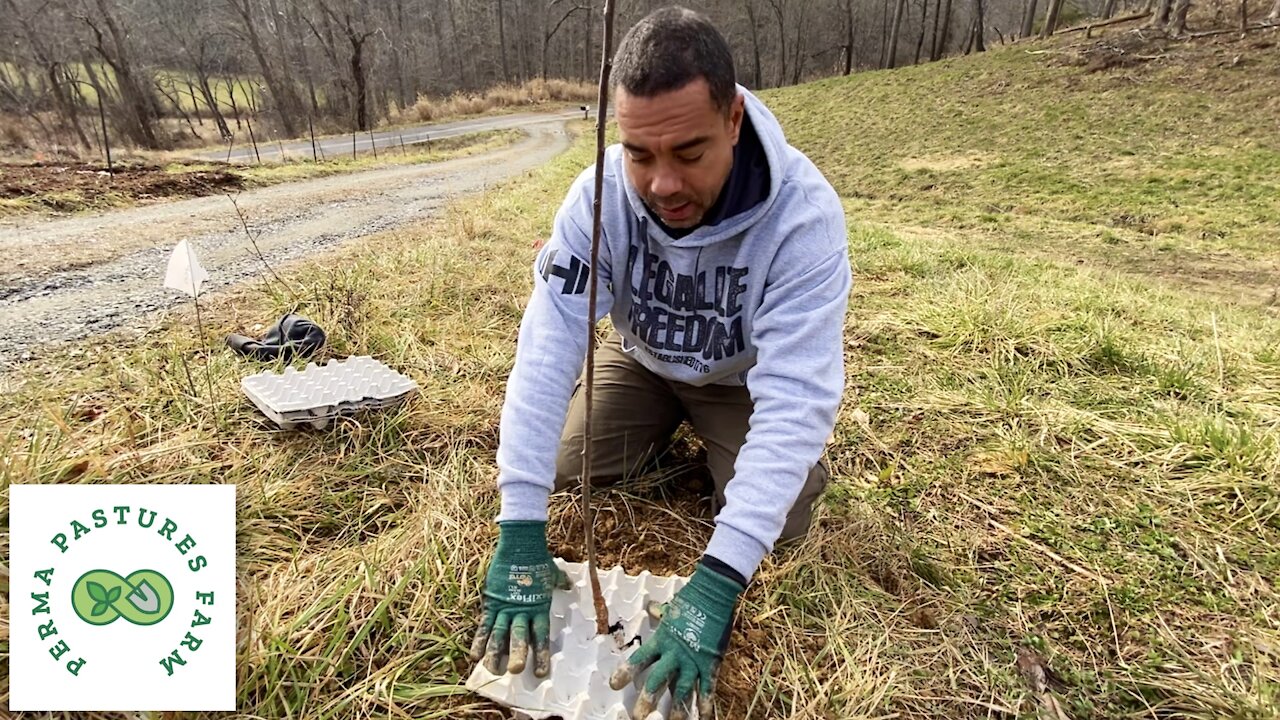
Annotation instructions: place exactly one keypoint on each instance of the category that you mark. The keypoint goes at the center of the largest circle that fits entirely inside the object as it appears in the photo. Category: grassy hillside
(1027, 142)
(1058, 452)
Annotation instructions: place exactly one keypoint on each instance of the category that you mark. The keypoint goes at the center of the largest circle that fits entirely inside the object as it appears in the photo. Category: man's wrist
(715, 564)
(736, 549)
(523, 501)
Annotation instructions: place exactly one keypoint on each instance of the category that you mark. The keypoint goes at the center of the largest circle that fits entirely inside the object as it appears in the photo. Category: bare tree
(899, 10)
(356, 36)
(940, 47)
(166, 88)
(464, 67)
(53, 69)
(587, 59)
(112, 43)
(1160, 18)
(1178, 23)
(933, 34)
(1171, 17)
(884, 32)
(1029, 18)
(924, 27)
(339, 92)
(749, 6)
(549, 34)
(798, 43)
(281, 87)
(779, 13)
(980, 23)
(848, 39)
(1051, 18)
(502, 41)
(192, 27)
(298, 36)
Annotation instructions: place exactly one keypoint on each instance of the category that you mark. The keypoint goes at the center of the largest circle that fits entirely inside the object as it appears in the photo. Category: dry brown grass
(38, 136)
(530, 94)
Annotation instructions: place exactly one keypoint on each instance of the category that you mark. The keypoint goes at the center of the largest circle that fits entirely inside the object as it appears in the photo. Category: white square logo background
(122, 669)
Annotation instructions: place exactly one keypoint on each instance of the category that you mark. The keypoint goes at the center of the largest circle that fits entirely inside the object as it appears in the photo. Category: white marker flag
(184, 271)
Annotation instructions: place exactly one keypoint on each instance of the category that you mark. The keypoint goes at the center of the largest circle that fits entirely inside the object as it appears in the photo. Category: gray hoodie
(757, 299)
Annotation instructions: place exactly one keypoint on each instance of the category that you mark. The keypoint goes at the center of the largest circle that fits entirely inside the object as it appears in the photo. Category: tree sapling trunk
(588, 515)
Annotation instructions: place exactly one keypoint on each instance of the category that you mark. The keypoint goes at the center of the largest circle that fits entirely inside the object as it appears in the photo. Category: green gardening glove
(517, 600)
(686, 647)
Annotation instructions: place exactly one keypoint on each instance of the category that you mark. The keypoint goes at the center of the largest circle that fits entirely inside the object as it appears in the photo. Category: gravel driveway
(68, 278)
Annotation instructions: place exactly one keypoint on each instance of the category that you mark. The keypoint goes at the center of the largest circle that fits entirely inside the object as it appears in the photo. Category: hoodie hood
(769, 131)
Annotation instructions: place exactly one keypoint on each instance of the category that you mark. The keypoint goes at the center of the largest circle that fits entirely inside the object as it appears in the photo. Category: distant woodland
(156, 70)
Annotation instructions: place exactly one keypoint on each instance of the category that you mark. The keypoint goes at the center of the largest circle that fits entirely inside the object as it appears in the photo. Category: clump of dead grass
(529, 94)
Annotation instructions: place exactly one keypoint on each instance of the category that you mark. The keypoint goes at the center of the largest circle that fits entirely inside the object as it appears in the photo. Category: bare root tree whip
(588, 515)
(253, 240)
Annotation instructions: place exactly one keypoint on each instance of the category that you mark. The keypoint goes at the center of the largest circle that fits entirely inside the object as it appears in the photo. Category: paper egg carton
(320, 393)
(582, 661)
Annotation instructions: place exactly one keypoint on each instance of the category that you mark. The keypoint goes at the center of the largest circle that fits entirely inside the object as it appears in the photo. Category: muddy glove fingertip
(479, 643)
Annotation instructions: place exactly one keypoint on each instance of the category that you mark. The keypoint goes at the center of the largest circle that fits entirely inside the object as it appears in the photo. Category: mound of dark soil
(77, 184)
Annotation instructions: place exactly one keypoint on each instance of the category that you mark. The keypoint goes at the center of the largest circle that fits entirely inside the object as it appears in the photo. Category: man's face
(679, 149)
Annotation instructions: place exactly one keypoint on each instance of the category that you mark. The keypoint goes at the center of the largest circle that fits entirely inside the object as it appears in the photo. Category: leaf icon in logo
(98, 609)
(114, 594)
(97, 592)
(145, 598)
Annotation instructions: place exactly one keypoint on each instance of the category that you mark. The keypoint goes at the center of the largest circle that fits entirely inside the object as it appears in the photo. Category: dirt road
(341, 145)
(69, 278)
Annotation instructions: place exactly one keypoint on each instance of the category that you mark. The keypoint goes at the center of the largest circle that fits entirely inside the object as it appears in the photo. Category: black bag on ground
(291, 335)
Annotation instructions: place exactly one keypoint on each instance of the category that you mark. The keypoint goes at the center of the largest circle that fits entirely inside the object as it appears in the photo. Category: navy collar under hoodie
(757, 298)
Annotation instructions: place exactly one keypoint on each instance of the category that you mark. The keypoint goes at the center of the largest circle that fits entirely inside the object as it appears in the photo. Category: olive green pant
(635, 414)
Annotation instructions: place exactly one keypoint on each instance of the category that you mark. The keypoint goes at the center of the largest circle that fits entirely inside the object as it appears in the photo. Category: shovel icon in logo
(145, 597)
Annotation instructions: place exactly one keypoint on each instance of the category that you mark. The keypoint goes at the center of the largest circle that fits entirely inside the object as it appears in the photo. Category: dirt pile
(66, 187)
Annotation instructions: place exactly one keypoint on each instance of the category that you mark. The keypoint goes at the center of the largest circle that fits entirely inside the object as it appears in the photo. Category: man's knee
(568, 462)
(801, 516)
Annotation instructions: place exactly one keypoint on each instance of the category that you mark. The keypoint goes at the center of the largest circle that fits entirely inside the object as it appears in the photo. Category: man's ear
(737, 109)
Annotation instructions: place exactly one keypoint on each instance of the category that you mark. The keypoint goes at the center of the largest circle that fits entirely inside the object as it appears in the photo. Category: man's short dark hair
(670, 48)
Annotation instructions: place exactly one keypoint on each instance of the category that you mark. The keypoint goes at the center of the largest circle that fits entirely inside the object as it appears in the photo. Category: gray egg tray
(320, 393)
(582, 661)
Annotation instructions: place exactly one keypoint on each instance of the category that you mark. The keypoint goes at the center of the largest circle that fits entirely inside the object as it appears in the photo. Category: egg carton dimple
(582, 661)
(320, 393)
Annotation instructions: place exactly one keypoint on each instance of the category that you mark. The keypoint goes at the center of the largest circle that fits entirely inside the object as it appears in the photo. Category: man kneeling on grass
(724, 267)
